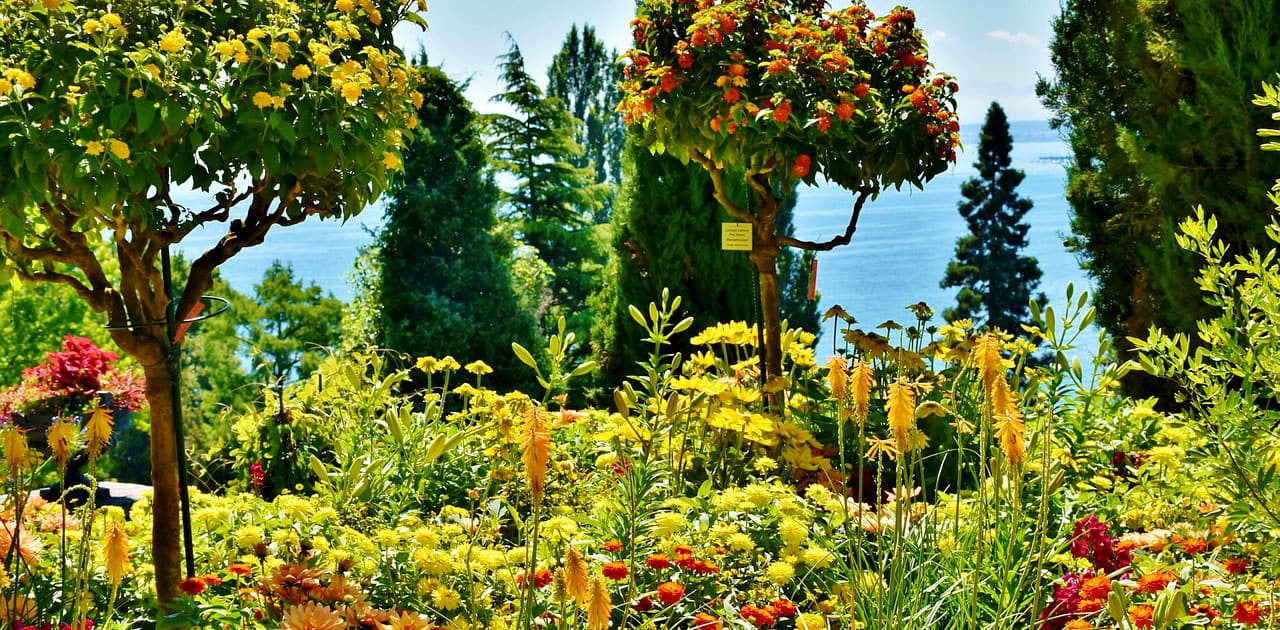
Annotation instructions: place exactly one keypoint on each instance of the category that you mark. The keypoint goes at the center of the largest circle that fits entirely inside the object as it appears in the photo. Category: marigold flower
(600, 607)
(1155, 582)
(658, 561)
(1248, 613)
(670, 592)
(115, 550)
(783, 608)
(479, 368)
(536, 449)
(576, 577)
(1236, 566)
(345, 6)
(1142, 616)
(706, 621)
(758, 617)
(98, 431)
(902, 414)
(239, 568)
(782, 112)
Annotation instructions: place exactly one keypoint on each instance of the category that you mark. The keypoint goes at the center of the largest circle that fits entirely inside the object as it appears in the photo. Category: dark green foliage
(584, 76)
(291, 326)
(445, 288)
(214, 374)
(1155, 99)
(995, 280)
(33, 320)
(550, 198)
(666, 234)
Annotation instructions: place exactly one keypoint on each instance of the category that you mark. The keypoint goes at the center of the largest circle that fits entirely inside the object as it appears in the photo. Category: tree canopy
(789, 92)
(278, 111)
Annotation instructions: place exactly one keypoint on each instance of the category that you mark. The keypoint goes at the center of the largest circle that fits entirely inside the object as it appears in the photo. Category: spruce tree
(996, 281)
(551, 199)
(444, 284)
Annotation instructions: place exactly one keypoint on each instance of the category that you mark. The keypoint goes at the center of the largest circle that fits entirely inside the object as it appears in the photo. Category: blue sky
(995, 48)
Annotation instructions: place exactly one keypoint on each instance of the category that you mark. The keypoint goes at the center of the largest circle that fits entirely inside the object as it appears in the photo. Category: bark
(166, 532)
(764, 255)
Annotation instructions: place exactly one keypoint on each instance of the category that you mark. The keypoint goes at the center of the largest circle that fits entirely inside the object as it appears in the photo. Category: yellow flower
(5, 86)
(345, 5)
(479, 368)
(280, 50)
(986, 354)
(92, 26)
(1010, 431)
(600, 606)
(536, 446)
(262, 100)
(391, 161)
(792, 532)
(98, 431)
(112, 20)
(811, 621)
(115, 552)
(902, 414)
(838, 378)
(446, 598)
(863, 379)
(225, 48)
(173, 41)
(301, 71)
(780, 572)
(255, 34)
(15, 448)
(93, 147)
(351, 91)
(61, 432)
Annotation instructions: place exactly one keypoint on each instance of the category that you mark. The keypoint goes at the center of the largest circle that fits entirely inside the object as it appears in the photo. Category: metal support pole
(173, 364)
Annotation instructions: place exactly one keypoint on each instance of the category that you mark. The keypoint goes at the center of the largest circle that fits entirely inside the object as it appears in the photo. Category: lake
(897, 257)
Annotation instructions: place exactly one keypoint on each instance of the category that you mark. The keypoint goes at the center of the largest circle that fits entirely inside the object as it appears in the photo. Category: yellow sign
(735, 237)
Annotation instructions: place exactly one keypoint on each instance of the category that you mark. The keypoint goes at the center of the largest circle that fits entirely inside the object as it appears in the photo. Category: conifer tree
(551, 199)
(444, 285)
(995, 280)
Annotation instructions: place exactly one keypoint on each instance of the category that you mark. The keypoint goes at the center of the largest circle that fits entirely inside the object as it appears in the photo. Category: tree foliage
(550, 198)
(1154, 98)
(446, 288)
(996, 281)
(279, 111)
(291, 326)
(584, 76)
(788, 92)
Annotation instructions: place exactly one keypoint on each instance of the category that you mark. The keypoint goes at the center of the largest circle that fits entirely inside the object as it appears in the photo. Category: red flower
(670, 593)
(1247, 613)
(192, 586)
(862, 89)
(541, 578)
(727, 25)
(614, 570)
(1152, 583)
(844, 110)
(824, 121)
(782, 112)
(658, 561)
(668, 82)
(644, 605)
(698, 38)
(682, 550)
(759, 617)
(732, 95)
(239, 568)
(802, 165)
(737, 70)
(685, 60)
(613, 546)
(1142, 616)
(1236, 566)
(211, 579)
(783, 608)
(704, 621)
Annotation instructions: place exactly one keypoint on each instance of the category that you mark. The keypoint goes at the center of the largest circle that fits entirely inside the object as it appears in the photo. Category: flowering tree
(788, 91)
(280, 110)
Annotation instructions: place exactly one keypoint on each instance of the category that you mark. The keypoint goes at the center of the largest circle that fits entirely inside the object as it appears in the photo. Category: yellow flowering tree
(278, 110)
(788, 91)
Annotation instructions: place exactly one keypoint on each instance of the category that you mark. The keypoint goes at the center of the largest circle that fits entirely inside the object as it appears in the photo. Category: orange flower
(239, 568)
(1155, 582)
(115, 549)
(838, 378)
(782, 112)
(986, 353)
(705, 621)
(1236, 566)
(802, 165)
(1142, 616)
(314, 616)
(1010, 429)
(1248, 613)
(844, 110)
(670, 592)
(192, 586)
(536, 443)
(614, 570)
(577, 581)
(657, 561)
(613, 546)
(98, 432)
(1078, 624)
(1096, 587)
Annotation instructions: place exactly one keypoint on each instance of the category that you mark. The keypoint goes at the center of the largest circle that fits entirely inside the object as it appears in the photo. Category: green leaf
(524, 356)
(146, 114)
(119, 115)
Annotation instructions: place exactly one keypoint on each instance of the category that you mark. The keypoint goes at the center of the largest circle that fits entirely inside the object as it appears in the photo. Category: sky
(995, 48)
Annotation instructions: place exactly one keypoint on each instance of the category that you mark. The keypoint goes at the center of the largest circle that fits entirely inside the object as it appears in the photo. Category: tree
(291, 325)
(996, 282)
(584, 76)
(245, 103)
(445, 283)
(550, 198)
(1154, 99)
(788, 92)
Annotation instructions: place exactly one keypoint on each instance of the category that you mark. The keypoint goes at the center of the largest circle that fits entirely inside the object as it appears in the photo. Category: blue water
(897, 257)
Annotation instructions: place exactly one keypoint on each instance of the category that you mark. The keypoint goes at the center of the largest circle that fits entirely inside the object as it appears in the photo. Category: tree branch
(55, 277)
(717, 184)
(863, 194)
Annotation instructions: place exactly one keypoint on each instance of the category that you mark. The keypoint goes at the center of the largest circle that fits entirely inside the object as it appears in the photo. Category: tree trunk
(764, 254)
(166, 532)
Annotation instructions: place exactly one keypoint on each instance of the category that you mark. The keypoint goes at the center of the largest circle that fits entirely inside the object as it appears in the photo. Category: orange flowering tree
(279, 110)
(789, 91)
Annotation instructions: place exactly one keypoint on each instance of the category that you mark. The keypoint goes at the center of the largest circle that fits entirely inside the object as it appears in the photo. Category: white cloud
(937, 36)
(1017, 39)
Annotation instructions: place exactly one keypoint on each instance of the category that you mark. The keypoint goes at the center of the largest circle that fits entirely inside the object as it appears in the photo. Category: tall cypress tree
(995, 280)
(445, 286)
(551, 199)
(584, 75)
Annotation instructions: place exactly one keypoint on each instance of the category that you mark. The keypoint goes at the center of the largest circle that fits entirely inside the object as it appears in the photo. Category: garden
(549, 424)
